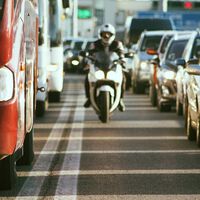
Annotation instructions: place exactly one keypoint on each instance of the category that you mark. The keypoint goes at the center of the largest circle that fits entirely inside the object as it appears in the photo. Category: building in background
(93, 13)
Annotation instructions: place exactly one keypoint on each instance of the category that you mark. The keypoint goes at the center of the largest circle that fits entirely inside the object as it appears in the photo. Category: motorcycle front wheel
(104, 105)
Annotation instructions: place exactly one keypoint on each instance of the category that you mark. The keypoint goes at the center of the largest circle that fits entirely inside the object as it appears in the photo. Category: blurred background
(85, 16)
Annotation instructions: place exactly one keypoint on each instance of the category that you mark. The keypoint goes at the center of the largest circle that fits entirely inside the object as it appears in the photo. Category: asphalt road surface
(141, 154)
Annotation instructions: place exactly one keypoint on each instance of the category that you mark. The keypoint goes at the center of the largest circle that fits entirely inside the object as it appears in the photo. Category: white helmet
(107, 33)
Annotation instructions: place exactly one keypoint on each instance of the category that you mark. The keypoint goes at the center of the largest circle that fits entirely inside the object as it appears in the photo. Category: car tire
(153, 95)
(8, 173)
(179, 107)
(190, 131)
(28, 152)
(54, 96)
(198, 133)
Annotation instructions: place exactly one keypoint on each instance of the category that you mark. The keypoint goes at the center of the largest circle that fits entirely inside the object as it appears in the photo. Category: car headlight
(169, 75)
(99, 74)
(143, 65)
(7, 84)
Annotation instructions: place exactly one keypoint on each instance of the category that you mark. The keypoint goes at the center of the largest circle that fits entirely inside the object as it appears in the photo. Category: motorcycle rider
(105, 42)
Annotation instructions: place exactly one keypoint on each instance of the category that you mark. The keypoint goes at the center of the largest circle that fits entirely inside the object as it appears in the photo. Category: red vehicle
(18, 75)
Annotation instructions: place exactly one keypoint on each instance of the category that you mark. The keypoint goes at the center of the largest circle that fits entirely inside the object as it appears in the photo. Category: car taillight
(6, 84)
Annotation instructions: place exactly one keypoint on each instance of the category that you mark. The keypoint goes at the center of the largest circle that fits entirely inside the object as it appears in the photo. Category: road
(141, 154)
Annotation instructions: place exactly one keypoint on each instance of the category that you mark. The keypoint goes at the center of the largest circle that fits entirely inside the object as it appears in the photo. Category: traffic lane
(115, 184)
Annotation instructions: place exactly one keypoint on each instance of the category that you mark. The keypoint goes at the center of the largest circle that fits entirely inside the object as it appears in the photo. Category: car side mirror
(180, 61)
(193, 69)
(193, 61)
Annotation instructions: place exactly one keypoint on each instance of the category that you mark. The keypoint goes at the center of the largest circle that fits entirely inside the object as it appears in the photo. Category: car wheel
(54, 96)
(7, 173)
(198, 133)
(28, 152)
(191, 134)
(179, 107)
(153, 95)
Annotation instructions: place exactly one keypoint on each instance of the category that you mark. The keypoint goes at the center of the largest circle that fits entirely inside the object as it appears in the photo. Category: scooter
(105, 80)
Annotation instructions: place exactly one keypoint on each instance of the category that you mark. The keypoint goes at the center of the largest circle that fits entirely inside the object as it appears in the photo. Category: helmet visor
(106, 35)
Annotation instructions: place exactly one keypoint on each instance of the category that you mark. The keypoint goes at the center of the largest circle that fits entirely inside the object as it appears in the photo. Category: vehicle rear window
(150, 42)
(78, 45)
(138, 25)
(176, 50)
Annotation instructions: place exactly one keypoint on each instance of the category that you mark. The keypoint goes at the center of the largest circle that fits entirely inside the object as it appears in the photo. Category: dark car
(166, 74)
(141, 69)
(138, 25)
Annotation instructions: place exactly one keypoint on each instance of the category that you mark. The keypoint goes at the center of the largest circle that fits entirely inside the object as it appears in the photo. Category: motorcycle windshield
(105, 59)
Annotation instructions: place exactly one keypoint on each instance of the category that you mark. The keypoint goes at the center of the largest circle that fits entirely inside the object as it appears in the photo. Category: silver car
(141, 70)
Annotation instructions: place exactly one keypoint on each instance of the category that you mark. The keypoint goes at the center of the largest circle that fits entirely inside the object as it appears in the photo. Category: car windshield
(1, 8)
(150, 42)
(176, 50)
(78, 45)
(67, 42)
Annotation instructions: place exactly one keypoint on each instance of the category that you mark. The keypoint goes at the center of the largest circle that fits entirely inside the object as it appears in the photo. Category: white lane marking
(114, 138)
(67, 185)
(120, 152)
(119, 124)
(33, 187)
(107, 172)
(112, 197)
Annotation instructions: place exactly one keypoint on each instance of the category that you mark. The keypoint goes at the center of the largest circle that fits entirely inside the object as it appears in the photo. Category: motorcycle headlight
(111, 75)
(75, 62)
(169, 75)
(99, 74)
(143, 65)
(7, 84)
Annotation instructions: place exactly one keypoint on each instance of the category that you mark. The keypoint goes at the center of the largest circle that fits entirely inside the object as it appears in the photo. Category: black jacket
(115, 46)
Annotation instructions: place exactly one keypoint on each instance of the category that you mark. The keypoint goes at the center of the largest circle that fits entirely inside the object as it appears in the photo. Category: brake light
(6, 84)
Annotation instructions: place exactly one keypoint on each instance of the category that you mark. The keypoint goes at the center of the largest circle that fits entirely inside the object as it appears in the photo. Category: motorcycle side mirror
(84, 53)
(180, 62)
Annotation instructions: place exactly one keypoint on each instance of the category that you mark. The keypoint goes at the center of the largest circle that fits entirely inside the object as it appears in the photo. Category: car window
(150, 42)
(164, 43)
(176, 50)
(78, 45)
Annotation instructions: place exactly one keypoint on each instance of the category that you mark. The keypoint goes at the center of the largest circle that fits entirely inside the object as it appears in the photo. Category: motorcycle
(105, 81)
